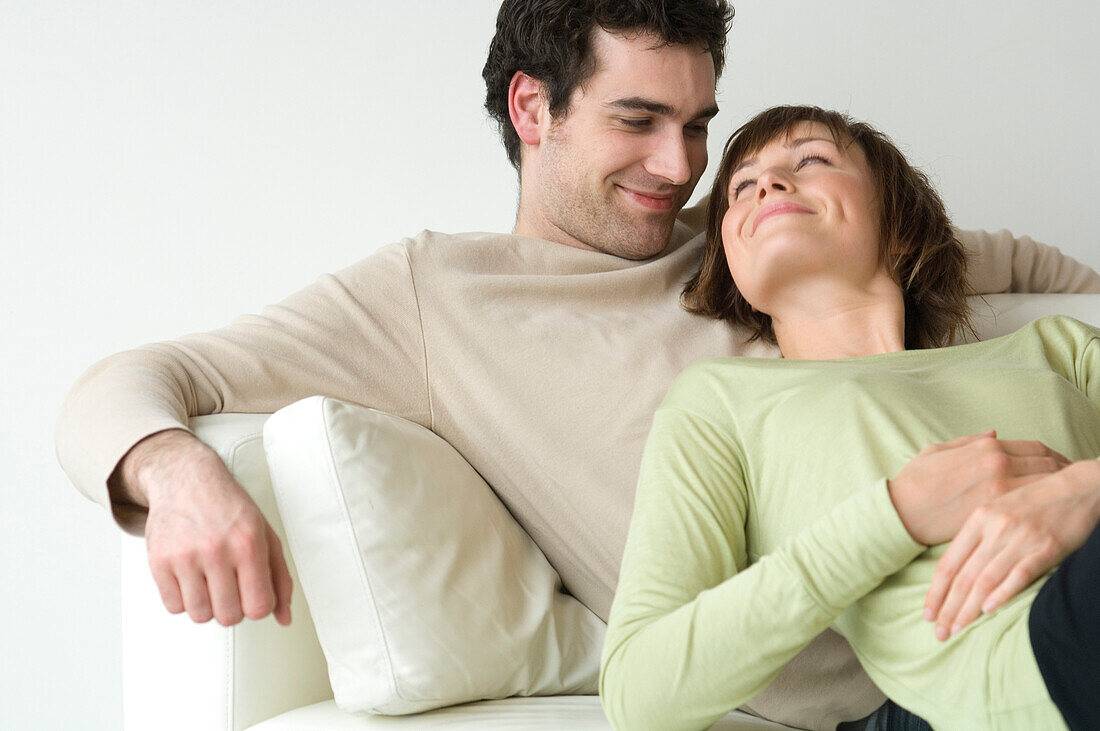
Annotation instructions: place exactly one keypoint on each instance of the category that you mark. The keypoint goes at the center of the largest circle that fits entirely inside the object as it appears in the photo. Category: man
(540, 355)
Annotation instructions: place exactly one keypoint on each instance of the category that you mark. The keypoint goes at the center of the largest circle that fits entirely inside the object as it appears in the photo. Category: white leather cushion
(424, 589)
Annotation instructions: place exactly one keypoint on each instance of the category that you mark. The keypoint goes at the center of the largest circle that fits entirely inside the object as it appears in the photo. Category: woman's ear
(527, 108)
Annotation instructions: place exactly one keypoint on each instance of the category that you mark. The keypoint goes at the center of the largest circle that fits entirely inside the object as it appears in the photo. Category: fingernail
(941, 633)
(928, 615)
(955, 630)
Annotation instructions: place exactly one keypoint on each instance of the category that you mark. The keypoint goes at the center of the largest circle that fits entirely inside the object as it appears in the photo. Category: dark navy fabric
(1064, 625)
(889, 717)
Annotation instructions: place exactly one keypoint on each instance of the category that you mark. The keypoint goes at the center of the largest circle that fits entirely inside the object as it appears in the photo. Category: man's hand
(1010, 542)
(939, 489)
(211, 552)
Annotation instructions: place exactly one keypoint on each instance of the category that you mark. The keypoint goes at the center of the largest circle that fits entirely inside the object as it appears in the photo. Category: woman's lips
(654, 201)
(777, 209)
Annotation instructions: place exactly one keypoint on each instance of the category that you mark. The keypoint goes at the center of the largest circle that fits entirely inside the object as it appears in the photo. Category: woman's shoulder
(1055, 331)
(1066, 325)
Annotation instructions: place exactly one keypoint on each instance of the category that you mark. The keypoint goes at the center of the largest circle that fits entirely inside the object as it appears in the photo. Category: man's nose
(669, 159)
(772, 181)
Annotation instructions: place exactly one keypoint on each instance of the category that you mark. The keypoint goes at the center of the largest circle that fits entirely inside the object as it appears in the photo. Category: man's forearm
(1001, 262)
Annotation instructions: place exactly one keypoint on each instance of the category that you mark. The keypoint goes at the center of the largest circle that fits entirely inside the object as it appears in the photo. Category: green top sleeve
(694, 630)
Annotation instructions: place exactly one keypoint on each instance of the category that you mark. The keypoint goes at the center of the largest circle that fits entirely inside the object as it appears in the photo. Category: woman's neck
(850, 325)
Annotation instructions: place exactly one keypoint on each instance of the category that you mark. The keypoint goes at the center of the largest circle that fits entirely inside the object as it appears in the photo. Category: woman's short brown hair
(919, 246)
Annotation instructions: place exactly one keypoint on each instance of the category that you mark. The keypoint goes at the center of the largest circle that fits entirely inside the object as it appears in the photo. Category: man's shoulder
(432, 248)
(458, 244)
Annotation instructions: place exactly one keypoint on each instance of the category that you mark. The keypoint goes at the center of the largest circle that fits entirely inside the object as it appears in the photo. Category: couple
(821, 238)
(540, 355)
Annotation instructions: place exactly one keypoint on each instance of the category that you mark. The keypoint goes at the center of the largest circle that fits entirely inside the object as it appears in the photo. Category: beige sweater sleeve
(1003, 263)
(354, 335)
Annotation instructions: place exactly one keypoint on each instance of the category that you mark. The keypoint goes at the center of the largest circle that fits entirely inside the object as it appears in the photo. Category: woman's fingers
(1010, 542)
(1020, 466)
(948, 568)
(959, 441)
(1025, 448)
(970, 568)
(960, 612)
(994, 580)
(1017, 580)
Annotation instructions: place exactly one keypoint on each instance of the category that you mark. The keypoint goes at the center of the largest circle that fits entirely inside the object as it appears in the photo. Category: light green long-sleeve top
(762, 517)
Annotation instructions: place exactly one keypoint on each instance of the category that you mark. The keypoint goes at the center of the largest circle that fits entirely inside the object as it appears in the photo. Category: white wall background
(167, 165)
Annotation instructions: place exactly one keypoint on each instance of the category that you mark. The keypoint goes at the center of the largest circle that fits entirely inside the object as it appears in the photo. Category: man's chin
(646, 242)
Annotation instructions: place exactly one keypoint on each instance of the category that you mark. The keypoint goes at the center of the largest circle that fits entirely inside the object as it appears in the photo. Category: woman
(764, 512)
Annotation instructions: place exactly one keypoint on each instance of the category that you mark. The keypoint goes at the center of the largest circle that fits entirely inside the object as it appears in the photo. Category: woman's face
(802, 211)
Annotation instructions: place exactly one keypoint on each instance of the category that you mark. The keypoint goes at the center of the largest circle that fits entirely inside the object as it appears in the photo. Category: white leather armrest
(1001, 314)
(180, 675)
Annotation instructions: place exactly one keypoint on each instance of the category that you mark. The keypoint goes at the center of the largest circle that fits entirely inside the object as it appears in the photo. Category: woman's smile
(777, 209)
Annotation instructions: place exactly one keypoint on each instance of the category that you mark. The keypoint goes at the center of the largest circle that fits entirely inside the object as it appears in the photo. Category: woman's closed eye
(743, 185)
(812, 159)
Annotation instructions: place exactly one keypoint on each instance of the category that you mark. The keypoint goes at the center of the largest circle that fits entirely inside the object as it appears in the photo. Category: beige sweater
(542, 364)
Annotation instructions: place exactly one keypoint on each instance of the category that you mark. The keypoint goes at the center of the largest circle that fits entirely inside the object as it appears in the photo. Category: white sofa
(258, 675)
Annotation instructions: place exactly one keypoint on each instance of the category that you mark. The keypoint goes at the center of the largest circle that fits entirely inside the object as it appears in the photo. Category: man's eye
(697, 130)
(634, 122)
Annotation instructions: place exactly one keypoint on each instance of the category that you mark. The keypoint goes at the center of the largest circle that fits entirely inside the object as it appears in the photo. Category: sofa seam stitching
(231, 634)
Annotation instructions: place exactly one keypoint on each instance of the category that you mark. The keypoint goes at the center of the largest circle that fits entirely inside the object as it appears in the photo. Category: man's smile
(652, 200)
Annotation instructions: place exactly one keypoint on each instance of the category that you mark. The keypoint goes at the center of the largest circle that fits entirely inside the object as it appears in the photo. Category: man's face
(613, 173)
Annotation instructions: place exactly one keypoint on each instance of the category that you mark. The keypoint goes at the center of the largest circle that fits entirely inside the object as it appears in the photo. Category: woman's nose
(771, 181)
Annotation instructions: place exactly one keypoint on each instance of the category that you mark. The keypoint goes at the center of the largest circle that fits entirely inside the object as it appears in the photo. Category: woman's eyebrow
(747, 163)
(798, 141)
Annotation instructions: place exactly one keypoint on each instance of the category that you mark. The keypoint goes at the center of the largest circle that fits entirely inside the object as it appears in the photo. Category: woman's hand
(1010, 542)
(941, 487)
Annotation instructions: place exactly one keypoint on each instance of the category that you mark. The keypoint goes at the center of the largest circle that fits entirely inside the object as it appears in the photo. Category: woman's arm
(694, 631)
(1018, 537)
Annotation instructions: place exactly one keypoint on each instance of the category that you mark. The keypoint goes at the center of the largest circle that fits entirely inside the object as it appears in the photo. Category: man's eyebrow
(790, 145)
(641, 104)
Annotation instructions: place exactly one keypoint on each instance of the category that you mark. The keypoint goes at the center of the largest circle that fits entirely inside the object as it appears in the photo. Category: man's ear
(528, 108)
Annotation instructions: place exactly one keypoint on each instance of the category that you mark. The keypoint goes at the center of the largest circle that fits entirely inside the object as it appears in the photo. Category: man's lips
(777, 209)
(654, 201)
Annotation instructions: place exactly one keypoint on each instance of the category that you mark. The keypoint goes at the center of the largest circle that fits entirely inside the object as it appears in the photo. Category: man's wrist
(130, 482)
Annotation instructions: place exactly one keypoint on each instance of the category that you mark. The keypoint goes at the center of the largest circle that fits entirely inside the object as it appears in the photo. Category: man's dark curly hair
(551, 40)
